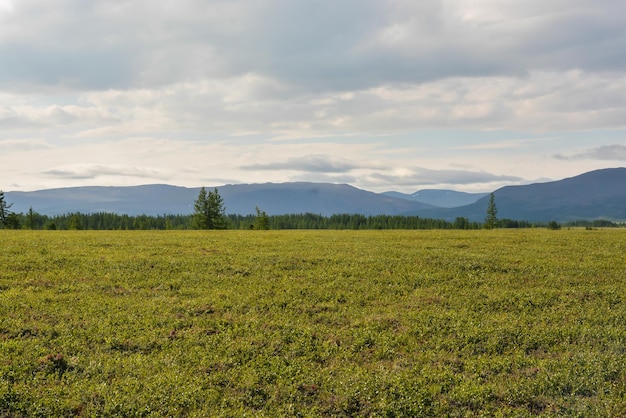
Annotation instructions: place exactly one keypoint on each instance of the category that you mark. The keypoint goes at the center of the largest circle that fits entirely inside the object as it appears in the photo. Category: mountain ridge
(443, 198)
(158, 199)
(598, 194)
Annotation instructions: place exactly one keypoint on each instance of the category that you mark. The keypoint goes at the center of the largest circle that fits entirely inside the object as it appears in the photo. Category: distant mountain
(273, 198)
(318, 198)
(599, 194)
(157, 199)
(439, 198)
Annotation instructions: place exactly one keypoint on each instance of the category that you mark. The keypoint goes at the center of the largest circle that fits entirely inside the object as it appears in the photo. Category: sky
(403, 95)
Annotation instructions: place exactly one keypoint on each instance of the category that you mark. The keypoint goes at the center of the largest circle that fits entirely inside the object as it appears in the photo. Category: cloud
(311, 45)
(238, 106)
(374, 175)
(305, 69)
(614, 152)
(18, 114)
(340, 178)
(23, 144)
(92, 171)
(286, 89)
(505, 144)
(428, 177)
(309, 163)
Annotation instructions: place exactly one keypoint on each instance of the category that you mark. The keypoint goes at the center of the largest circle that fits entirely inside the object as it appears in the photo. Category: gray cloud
(92, 171)
(309, 44)
(326, 178)
(23, 144)
(614, 152)
(309, 163)
(326, 169)
(427, 177)
(266, 65)
(317, 73)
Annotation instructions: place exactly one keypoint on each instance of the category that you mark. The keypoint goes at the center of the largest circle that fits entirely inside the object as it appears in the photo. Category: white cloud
(250, 104)
(315, 88)
(506, 144)
(428, 177)
(11, 144)
(312, 164)
(95, 171)
(311, 45)
(614, 152)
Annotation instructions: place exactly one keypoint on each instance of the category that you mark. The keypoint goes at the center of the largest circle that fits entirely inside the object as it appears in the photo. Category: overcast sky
(380, 94)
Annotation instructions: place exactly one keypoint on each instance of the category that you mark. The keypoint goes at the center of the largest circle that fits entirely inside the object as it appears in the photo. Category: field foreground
(340, 323)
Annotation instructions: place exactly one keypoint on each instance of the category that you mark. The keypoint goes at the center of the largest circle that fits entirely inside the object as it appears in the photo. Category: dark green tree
(30, 219)
(554, 225)
(74, 222)
(461, 223)
(209, 210)
(261, 221)
(13, 221)
(201, 210)
(491, 221)
(4, 210)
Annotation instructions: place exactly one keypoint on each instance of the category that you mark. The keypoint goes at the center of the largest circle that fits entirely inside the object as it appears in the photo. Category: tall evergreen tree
(491, 221)
(262, 220)
(4, 210)
(201, 210)
(30, 220)
(209, 210)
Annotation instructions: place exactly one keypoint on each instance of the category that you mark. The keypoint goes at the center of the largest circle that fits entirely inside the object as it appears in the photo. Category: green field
(313, 323)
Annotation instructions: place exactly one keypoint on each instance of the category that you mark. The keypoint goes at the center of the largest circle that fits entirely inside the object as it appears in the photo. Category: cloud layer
(377, 93)
(605, 152)
(309, 45)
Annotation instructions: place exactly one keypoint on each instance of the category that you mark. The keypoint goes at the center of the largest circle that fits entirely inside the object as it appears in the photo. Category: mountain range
(599, 194)
(440, 198)
(158, 199)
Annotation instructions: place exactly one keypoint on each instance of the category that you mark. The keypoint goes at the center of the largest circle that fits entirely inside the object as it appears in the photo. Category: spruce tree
(262, 220)
(209, 210)
(4, 210)
(491, 221)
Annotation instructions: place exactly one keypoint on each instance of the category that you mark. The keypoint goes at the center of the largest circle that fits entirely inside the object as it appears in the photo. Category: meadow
(313, 323)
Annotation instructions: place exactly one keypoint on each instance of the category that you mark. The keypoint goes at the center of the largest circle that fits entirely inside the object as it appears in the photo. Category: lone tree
(209, 210)
(491, 221)
(4, 210)
(262, 220)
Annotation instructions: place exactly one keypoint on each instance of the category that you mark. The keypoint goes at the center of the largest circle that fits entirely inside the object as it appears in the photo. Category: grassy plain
(310, 323)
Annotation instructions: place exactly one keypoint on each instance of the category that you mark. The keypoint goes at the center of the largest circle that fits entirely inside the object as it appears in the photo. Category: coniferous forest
(113, 221)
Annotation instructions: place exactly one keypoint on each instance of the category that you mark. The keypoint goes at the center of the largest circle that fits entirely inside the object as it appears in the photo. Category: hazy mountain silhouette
(599, 194)
(439, 198)
(273, 198)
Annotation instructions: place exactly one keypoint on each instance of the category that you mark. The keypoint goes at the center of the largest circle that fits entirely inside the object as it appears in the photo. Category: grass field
(310, 323)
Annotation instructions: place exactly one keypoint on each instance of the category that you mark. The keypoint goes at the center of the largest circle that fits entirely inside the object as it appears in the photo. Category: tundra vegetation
(309, 323)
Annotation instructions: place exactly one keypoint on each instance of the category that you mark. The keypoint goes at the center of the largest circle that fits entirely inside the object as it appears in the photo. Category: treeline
(112, 221)
(100, 221)
(350, 221)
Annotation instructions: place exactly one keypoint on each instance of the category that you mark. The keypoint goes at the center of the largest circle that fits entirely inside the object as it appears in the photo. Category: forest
(112, 221)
